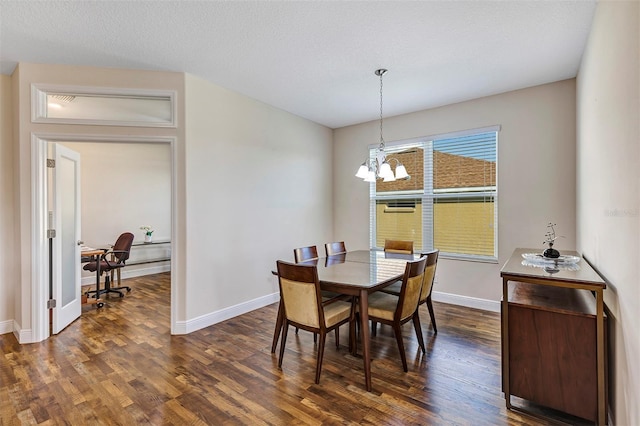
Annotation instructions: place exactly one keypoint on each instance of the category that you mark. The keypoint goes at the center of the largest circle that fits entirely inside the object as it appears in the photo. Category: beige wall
(125, 186)
(8, 268)
(24, 76)
(536, 175)
(608, 195)
(259, 184)
(250, 182)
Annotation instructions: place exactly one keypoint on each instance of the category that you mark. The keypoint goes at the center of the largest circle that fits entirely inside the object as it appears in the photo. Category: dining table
(356, 273)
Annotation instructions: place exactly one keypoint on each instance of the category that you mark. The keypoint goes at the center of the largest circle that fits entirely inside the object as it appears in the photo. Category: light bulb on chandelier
(379, 167)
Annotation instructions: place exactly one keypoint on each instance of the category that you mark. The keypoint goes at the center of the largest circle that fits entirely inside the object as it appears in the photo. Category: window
(450, 200)
(103, 106)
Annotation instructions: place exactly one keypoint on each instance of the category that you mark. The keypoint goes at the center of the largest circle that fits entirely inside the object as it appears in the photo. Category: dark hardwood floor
(119, 365)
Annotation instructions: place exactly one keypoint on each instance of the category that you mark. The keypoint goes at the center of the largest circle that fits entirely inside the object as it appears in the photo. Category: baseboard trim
(23, 335)
(130, 273)
(203, 321)
(6, 326)
(185, 327)
(189, 326)
(469, 302)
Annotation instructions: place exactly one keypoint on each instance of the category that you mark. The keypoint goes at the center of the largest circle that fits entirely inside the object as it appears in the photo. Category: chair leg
(278, 329)
(323, 337)
(354, 330)
(374, 328)
(403, 357)
(418, 328)
(108, 289)
(432, 315)
(337, 337)
(285, 328)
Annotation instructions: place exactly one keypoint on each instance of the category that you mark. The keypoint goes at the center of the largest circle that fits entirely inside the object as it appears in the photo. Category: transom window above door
(102, 106)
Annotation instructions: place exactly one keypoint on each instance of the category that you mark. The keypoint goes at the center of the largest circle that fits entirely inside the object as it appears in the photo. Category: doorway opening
(99, 193)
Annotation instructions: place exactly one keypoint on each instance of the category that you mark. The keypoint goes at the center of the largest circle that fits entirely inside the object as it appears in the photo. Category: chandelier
(379, 167)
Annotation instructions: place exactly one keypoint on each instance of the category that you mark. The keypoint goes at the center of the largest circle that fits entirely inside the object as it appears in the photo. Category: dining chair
(398, 246)
(427, 286)
(395, 247)
(303, 307)
(398, 310)
(303, 254)
(331, 249)
(307, 254)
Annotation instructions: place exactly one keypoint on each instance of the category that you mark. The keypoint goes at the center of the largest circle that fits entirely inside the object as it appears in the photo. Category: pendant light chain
(380, 73)
(381, 138)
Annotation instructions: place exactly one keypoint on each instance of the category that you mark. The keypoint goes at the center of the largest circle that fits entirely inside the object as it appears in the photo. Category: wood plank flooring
(119, 365)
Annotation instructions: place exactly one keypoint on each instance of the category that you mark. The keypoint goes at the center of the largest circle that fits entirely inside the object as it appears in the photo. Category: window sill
(468, 258)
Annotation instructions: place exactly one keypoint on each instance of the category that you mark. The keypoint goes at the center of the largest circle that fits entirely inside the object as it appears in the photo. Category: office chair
(110, 261)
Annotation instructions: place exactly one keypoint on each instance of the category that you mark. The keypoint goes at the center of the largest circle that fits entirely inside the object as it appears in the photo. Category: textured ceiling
(315, 59)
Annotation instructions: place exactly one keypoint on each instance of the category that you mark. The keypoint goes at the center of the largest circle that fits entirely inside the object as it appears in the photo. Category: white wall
(251, 182)
(26, 282)
(608, 201)
(8, 268)
(536, 178)
(259, 185)
(125, 186)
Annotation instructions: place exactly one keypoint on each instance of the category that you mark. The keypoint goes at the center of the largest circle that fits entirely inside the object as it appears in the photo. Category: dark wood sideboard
(553, 338)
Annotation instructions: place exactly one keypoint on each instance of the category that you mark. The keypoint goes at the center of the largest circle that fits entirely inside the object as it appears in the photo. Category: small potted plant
(551, 253)
(148, 233)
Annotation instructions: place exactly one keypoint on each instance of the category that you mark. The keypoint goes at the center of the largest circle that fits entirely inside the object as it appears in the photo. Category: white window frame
(427, 194)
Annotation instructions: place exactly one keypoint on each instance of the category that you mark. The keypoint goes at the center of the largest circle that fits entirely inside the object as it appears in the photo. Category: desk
(356, 273)
(94, 254)
(146, 244)
(570, 285)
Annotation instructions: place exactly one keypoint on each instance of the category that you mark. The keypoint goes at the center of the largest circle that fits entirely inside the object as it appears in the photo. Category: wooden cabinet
(552, 348)
(553, 337)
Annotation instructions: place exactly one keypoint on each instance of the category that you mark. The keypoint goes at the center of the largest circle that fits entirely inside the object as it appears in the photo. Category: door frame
(39, 220)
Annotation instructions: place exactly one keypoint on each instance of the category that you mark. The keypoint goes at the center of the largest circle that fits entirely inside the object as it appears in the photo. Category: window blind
(450, 201)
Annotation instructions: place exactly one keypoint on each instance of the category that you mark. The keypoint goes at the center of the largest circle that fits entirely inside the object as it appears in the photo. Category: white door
(66, 287)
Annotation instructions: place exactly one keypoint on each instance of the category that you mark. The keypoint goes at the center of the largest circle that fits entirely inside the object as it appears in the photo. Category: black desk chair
(110, 261)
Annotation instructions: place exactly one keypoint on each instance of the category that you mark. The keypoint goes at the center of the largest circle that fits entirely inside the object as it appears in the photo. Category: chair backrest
(122, 247)
(335, 259)
(411, 287)
(398, 246)
(300, 293)
(335, 248)
(305, 253)
(429, 274)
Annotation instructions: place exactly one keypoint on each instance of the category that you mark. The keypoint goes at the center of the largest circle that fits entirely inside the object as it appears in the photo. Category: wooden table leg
(364, 332)
(600, 357)
(505, 342)
(276, 332)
